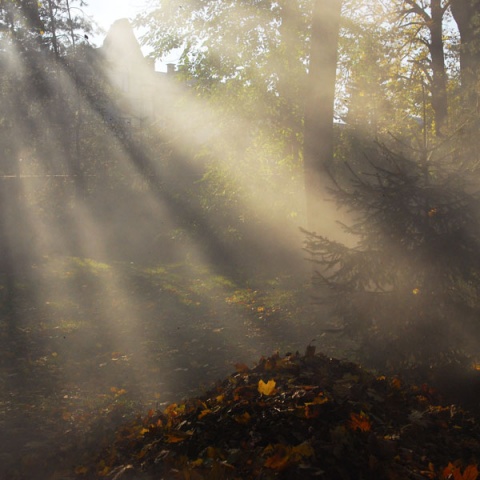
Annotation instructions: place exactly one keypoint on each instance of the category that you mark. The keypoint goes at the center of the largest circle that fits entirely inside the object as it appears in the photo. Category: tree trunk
(319, 109)
(439, 76)
(467, 16)
(53, 27)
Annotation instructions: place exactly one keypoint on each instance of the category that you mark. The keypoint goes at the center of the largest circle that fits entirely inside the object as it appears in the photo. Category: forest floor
(125, 372)
(91, 344)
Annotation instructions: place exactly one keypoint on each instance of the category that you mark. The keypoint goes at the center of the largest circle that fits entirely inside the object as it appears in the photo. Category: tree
(429, 15)
(467, 17)
(246, 61)
(35, 106)
(408, 290)
(319, 109)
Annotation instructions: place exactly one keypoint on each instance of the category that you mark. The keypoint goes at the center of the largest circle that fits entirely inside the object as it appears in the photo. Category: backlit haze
(151, 216)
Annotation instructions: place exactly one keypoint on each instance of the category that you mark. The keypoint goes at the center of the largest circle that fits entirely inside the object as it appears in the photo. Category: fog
(153, 237)
(140, 258)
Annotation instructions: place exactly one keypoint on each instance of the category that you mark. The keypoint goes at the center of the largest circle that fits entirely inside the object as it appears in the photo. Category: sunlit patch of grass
(189, 284)
(157, 270)
(243, 297)
(91, 265)
(70, 325)
(183, 295)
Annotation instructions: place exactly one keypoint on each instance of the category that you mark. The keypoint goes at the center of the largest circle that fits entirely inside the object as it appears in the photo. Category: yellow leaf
(81, 470)
(212, 452)
(266, 388)
(244, 418)
(303, 450)
(104, 472)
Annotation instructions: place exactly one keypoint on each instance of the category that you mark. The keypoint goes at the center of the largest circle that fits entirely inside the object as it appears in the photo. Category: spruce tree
(407, 291)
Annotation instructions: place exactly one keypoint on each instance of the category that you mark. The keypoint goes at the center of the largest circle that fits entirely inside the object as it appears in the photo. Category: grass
(90, 343)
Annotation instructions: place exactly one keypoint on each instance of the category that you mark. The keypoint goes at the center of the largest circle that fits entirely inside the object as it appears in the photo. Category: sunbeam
(305, 176)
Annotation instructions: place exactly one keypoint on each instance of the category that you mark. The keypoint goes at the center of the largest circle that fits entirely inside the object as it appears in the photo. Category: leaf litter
(296, 417)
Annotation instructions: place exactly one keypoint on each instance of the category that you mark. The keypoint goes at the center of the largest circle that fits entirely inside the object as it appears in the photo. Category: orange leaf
(266, 388)
(470, 473)
(359, 421)
(451, 472)
(396, 383)
(176, 437)
(140, 454)
(203, 413)
(278, 461)
(313, 409)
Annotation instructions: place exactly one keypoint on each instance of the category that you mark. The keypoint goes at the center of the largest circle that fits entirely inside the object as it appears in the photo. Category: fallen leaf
(470, 473)
(203, 413)
(176, 437)
(266, 388)
(312, 409)
(303, 450)
(396, 383)
(278, 461)
(243, 419)
(81, 470)
(359, 421)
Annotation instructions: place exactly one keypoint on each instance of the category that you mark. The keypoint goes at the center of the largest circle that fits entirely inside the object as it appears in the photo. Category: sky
(105, 12)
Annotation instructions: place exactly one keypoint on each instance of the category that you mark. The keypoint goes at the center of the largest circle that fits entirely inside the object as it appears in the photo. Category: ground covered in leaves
(297, 417)
(89, 345)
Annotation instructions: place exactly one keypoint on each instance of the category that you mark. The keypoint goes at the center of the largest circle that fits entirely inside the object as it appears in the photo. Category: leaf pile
(298, 417)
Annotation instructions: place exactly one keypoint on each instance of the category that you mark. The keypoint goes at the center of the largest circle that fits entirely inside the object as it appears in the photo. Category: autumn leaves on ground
(80, 358)
(167, 405)
(315, 417)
